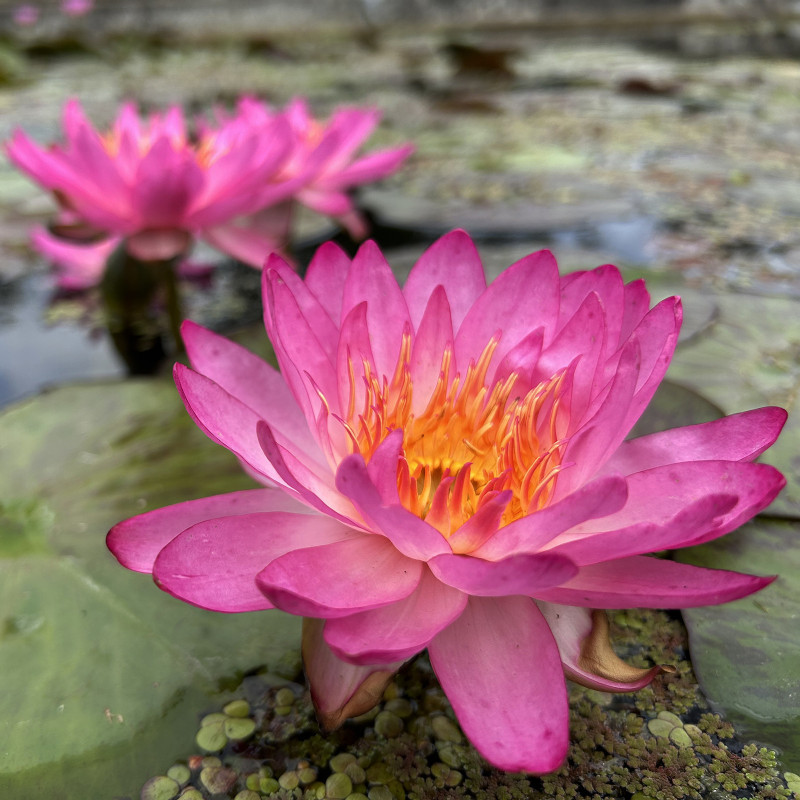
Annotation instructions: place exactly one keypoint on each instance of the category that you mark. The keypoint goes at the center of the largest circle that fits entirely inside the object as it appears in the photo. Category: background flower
(455, 476)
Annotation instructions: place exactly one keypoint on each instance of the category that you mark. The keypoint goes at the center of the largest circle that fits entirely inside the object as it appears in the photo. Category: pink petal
(408, 533)
(452, 262)
(481, 526)
(397, 631)
(137, 541)
(637, 304)
(214, 563)
(738, 437)
(606, 282)
(354, 360)
(326, 277)
(434, 335)
(499, 666)
(339, 579)
(645, 582)
(224, 419)
(524, 574)
(371, 280)
(339, 689)
(246, 244)
(251, 380)
(520, 299)
(370, 168)
(78, 266)
(382, 467)
(528, 534)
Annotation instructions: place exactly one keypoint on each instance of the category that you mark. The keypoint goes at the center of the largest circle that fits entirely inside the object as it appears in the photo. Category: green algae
(661, 743)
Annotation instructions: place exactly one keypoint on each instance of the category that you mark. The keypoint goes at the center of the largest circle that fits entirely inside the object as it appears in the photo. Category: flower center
(471, 442)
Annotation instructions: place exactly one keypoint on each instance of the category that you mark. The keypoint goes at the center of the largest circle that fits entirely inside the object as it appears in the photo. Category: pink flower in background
(448, 469)
(146, 182)
(76, 8)
(26, 15)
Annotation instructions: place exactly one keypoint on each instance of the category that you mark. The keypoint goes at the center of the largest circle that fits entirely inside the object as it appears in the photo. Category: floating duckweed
(269, 785)
(400, 706)
(793, 782)
(237, 708)
(356, 796)
(449, 754)
(218, 780)
(213, 719)
(247, 794)
(190, 793)
(380, 793)
(161, 787)
(284, 697)
(445, 730)
(180, 773)
(660, 727)
(307, 775)
(338, 786)
(237, 728)
(355, 773)
(693, 731)
(212, 737)
(341, 761)
(391, 692)
(283, 711)
(379, 773)
(253, 781)
(679, 737)
(670, 717)
(210, 761)
(289, 780)
(388, 724)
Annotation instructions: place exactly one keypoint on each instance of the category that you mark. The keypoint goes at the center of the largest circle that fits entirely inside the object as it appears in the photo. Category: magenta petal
(525, 574)
(596, 500)
(251, 380)
(499, 666)
(453, 263)
(645, 582)
(411, 535)
(326, 277)
(339, 579)
(214, 563)
(399, 630)
(137, 541)
(738, 437)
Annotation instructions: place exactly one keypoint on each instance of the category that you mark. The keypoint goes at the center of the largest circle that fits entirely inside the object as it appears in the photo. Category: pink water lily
(448, 469)
(146, 181)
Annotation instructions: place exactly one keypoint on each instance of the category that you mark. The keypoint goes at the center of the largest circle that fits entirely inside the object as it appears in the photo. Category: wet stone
(160, 788)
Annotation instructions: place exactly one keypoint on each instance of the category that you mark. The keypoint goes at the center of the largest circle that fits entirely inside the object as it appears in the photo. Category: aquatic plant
(452, 473)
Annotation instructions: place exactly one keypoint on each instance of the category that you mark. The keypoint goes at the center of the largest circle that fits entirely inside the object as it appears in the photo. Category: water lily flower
(447, 468)
(333, 145)
(147, 182)
(25, 15)
(76, 8)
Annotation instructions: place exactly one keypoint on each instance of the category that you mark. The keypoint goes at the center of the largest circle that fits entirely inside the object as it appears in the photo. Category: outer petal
(250, 379)
(738, 437)
(78, 266)
(339, 579)
(586, 653)
(644, 582)
(525, 574)
(397, 631)
(338, 689)
(499, 666)
(326, 277)
(214, 563)
(137, 541)
(453, 263)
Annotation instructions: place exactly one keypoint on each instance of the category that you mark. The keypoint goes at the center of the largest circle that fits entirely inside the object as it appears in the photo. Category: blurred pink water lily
(448, 469)
(146, 181)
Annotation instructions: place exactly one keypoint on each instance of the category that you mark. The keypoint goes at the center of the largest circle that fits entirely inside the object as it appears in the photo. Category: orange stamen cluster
(470, 443)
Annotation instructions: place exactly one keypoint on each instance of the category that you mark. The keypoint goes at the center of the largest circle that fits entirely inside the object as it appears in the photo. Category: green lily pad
(746, 654)
(750, 357)
(103, 673)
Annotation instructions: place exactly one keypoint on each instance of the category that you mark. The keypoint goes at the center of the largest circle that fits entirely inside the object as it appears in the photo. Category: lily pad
(749, 357)
(103, 673)
(746, 654)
